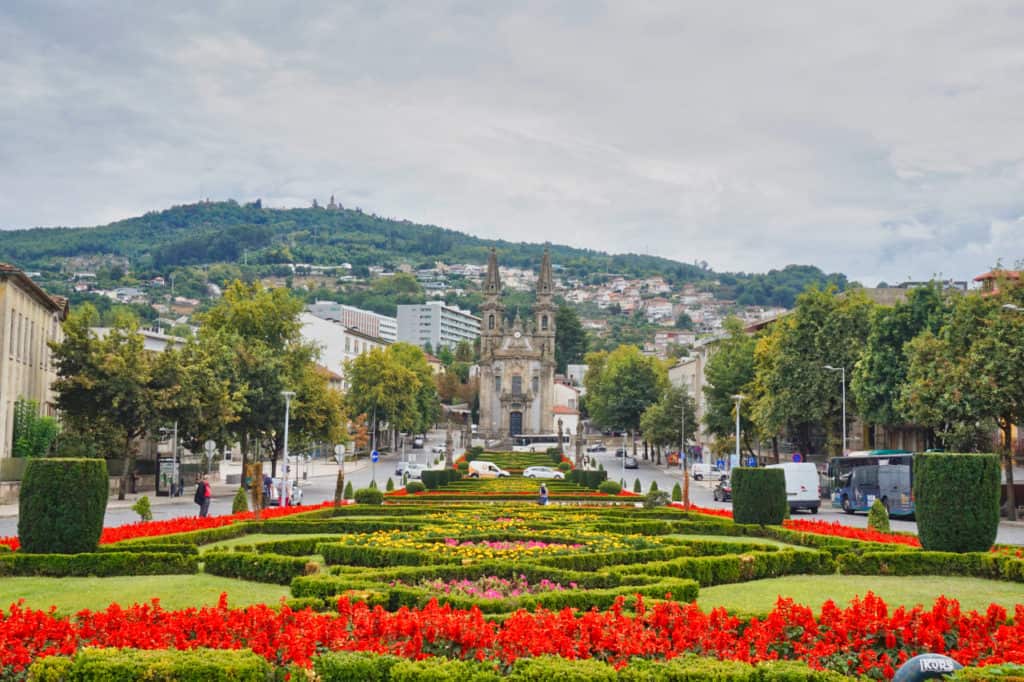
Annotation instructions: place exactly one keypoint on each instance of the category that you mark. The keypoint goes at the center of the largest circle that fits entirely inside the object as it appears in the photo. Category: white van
(702, 470)
(802, 490)
(478, 468)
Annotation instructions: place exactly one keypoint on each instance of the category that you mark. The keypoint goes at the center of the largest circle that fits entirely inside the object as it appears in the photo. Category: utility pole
(682, 450)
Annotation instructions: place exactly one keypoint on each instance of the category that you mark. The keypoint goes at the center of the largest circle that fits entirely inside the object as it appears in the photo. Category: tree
(662, 422)
(464, 352)
(570, 339)
(684, 321)
(383, 389)
(621, 385)
(33, 435)
(729, 371)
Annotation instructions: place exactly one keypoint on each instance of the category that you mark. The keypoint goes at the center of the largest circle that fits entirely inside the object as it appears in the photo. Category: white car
(414, 469)
(543, 472)
(437, 449)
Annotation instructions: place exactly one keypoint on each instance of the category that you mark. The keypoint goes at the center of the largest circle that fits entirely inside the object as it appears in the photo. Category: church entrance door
(515, 423)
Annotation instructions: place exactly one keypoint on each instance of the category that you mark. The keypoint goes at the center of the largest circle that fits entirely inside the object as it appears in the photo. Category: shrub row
(340, 526)
(600, 560)
(99, 564)
(166, 547)
(368, 667)
(124, 665)
(589, 478)
(196, 537)
(433, 479)
(975, 564)
(294, 547)
(261, 568)
(735, 568)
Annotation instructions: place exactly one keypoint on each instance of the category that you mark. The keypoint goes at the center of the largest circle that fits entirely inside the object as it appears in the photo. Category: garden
(599, 587)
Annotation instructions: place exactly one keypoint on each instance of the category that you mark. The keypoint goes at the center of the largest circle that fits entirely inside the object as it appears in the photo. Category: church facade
(517, 360)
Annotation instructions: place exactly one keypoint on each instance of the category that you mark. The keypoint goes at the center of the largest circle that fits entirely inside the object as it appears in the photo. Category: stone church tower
(517, 361)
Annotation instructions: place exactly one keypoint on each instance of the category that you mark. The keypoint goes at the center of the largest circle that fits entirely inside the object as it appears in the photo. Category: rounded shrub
(415, 487)
(240, 503)
(62, 504)
(956, 501)
(878, 517)
(609, 488)
(564, 466)
(462, 466)
(143, 508)
(759, 495)
(369, 496)
(677, 493)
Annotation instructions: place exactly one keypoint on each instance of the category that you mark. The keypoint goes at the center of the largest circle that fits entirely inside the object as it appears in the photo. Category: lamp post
(739, 399)
(288, 395)
(842, 378)
(682, 449)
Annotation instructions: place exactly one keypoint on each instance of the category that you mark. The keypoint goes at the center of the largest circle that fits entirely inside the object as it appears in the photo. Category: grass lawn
(70, 595)
(812, 590)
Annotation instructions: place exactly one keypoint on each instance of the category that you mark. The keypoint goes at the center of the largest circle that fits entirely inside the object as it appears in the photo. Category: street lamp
(288, 395)
(739, 399)
(842, 378)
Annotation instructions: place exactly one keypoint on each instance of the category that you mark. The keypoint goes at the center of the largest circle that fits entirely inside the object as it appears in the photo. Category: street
(319, 487)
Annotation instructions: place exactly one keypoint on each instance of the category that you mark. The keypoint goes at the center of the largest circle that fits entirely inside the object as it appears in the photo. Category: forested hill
(211, 232)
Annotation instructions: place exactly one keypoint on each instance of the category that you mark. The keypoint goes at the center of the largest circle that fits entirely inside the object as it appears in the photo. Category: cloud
(875, 139)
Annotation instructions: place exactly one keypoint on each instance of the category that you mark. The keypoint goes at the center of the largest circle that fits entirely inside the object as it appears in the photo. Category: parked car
(417, 442)
(478, 468)
(414, 470)
(437, 449)
(631, 463)
(802, 489)
(620, 452)
(543, 472)
(723, 490)
(702, 470)
(597, 447)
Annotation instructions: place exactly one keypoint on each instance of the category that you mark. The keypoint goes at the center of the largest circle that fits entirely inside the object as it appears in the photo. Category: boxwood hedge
(759, 495)
(956, 501)
(61, 505)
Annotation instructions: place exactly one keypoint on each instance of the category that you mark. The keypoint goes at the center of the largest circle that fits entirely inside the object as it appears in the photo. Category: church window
(544, 322)
(497, 384)
(517, 385)
(490, 322)
(536, 385)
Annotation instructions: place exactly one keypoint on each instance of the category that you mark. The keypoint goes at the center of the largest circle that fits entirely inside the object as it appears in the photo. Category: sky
(882, 140)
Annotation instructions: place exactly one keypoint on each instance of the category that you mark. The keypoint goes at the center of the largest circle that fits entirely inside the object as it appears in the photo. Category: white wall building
(337, 343)
(366, 321)
(437, 324)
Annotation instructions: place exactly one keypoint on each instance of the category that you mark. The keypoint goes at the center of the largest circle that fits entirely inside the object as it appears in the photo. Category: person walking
(543, 495)
(203, 496)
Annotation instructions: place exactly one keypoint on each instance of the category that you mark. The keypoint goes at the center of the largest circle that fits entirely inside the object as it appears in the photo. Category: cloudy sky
(884, 140)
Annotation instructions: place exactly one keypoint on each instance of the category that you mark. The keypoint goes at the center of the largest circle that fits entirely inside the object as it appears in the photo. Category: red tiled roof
(562, 409)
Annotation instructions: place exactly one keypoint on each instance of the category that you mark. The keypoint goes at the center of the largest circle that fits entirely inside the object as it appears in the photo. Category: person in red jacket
(203, 496)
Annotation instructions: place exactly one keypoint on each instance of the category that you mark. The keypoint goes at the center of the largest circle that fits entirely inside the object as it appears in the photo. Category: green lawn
(70, 595)
(760, 595)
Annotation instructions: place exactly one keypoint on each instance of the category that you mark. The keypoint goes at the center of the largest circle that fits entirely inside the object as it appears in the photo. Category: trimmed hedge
(975, 564)
(369, 496)
(124, 665)
(99, 564)
(435, 478)
(759, 496)
(589, 478)
(610, 487)
(61, 505)
(956, 501)
(261, 568)
(413, 487)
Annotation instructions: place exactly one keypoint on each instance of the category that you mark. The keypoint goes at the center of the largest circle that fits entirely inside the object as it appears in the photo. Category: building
(517, 360)
(337, 343)
(29, 318)
(366, 321)
(437, 324)
(153, 340)
(688, 373)
(991, 280)
(575, 374)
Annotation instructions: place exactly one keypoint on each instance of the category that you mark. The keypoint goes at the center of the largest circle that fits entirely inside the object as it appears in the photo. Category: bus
(860, 478)
(538, 442)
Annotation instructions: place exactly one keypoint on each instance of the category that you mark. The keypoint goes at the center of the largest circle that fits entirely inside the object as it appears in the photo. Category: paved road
(319, 487)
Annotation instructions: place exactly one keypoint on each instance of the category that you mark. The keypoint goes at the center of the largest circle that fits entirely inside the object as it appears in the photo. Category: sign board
(339, 449)
(797, 457)
(209, 446)
(374, 456)
(751, 461)
(166, 476)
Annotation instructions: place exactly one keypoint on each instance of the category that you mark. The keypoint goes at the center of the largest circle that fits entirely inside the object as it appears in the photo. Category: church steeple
(545, 281)
(492, 284)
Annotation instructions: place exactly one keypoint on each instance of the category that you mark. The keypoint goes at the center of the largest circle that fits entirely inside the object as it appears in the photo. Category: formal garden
(467, 580)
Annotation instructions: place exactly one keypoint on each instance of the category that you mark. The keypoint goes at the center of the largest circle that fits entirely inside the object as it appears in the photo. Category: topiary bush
(655, 498)
(62, 504)
(369, 496)
(564, 466)
(348, 491)
(415, 487)
(637, 487)
(653, 488)
(677, 493)
(390, 486)
(878, 517)
(759, 496)
(462, 466)
(610, 488)
(956, 501)
(240, 503)
(143, 509)
(373, 484)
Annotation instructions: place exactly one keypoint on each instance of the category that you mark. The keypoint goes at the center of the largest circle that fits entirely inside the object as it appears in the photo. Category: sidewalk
(319, 469)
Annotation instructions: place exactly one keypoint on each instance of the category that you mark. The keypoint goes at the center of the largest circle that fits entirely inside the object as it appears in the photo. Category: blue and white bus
(860, 478)
(538, 442)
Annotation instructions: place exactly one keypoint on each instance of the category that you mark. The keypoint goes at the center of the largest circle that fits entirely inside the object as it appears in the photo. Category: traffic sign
(339, 449)
(374, 456)
(209, 446)
(797, 457)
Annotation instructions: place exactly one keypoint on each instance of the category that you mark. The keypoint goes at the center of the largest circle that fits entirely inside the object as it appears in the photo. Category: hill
(229, 232)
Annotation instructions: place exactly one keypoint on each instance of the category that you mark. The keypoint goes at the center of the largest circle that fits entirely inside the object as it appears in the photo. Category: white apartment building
(437, 324)
(29, 318)
(337, 343)
(366, 321)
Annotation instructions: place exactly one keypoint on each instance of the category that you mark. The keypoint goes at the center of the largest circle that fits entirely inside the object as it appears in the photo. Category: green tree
(662, 422)
(684, 321)
(33, 434)
(729, 371)
(570, 339)
(621, 385)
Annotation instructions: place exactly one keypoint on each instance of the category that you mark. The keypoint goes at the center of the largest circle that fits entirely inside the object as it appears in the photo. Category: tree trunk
(129, 464)
(657, 453)
(775, 448)
(1011, 501)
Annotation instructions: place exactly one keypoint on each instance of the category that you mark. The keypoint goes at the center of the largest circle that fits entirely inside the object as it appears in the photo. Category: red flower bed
(863, 638)
(184, 524)
(723, 513)
(836, 529)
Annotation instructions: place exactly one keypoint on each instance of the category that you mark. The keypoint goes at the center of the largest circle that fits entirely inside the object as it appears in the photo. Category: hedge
(99, 564)
(261, 568)
(124, 665)
(369, 496)
(956, 501)
(1010, 672)
(610, 487)
(435, 478)
(62, 504)
(734, 568)
(976, 564)
(759, 496)
(166, 547)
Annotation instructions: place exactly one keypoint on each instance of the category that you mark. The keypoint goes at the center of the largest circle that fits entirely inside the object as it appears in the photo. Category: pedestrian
(543, 500)
(203, 496)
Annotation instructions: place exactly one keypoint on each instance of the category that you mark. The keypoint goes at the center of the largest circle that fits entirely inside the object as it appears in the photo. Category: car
(479, 468)
(417, 442)
(631, 463)
(700, 470)
(543, 472)
(437, 449)
(723, 490)
(413, 470)
(620, 452)
(597, 447)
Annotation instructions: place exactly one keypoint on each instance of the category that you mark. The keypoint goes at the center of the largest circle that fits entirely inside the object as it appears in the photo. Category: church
(517, 360)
